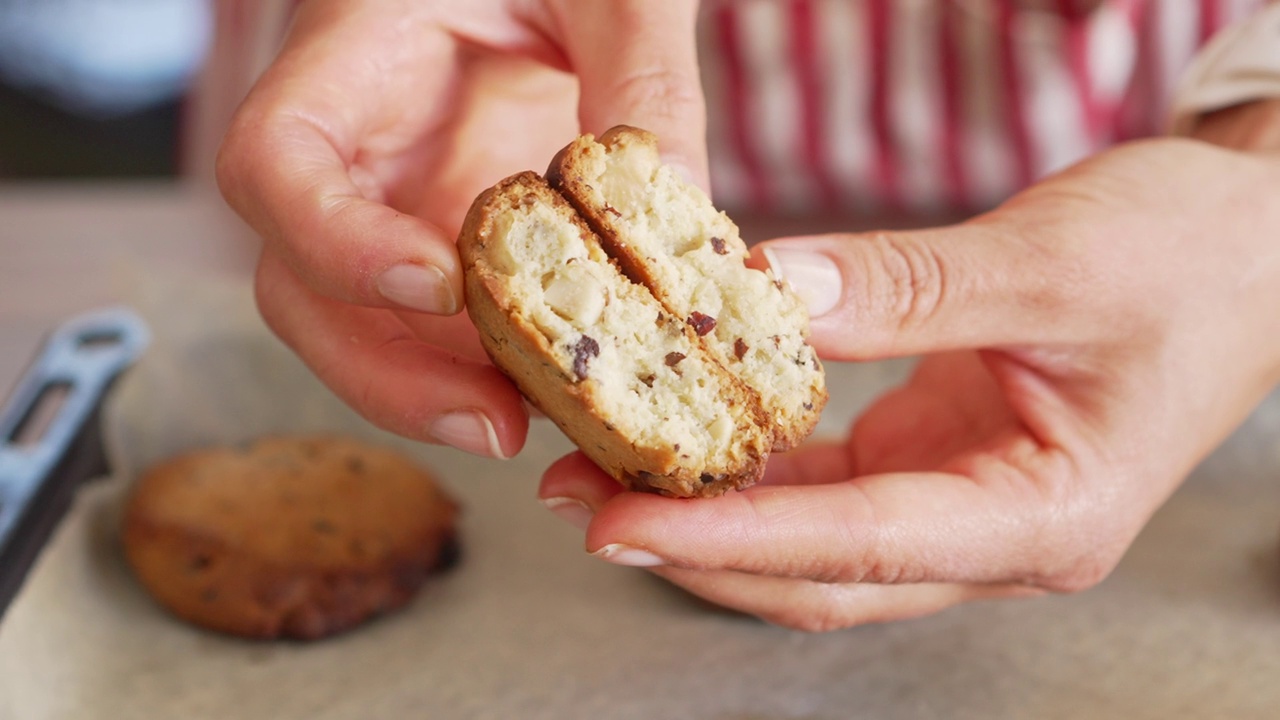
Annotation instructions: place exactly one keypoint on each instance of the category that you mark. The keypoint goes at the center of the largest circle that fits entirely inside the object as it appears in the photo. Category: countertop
(528, 626)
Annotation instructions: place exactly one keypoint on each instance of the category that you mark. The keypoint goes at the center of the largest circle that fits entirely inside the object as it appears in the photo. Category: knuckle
(665, 93)
(1086, 556)
(233, 164)
(227, 164)
(1083, 573)
(909, 283)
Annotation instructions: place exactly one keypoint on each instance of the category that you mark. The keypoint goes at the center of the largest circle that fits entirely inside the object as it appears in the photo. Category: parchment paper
(529, 626)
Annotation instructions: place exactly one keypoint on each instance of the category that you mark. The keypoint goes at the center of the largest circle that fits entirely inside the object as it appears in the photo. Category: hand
(360, 149)
(1087, 344)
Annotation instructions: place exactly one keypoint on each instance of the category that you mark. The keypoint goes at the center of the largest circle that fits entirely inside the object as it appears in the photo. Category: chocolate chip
(450, 554)
(717, 244)
(702, 324)
(676, 448)
(648, 380)
(355, 464)
(585, 349)
(200, 563)
(739, 348)
(674, 358)
(808, 406)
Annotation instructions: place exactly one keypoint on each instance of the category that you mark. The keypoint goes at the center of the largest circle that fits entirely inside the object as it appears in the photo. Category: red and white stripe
(851, 105)
(848, 104)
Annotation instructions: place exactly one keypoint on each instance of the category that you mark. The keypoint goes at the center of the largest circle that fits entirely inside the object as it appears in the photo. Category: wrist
(1231, 81)
(1249, 127)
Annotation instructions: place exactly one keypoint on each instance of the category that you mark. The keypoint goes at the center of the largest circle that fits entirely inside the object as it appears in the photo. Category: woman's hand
(1086, 344)
(360, 149)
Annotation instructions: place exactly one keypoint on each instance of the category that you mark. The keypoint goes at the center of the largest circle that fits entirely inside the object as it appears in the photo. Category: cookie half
(293, 537)
(666, 235)
(630, 383)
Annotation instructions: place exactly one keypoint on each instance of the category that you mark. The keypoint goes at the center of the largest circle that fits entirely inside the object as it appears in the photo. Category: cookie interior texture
(626, 380)
(666, 234)
(618, 299)
(292, 537)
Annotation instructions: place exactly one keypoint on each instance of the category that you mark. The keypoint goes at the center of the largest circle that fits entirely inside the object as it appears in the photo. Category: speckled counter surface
(528, 626)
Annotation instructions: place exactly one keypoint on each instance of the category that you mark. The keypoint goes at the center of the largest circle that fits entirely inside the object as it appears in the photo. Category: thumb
(890, 294)
(637, 64)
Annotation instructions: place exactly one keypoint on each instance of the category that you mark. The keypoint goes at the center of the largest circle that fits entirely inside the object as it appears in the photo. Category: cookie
(617, 298)
(626, 380)
(293, 537)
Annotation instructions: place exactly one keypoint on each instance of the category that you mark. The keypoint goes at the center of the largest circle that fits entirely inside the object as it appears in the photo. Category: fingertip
(286, 180)
(576, 476)
(365, 252)
(494, 432)
(421, 288)
(813, 275)
(690, 169)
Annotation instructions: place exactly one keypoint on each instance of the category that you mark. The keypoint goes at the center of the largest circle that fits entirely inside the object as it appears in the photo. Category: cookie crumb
(740, 348)
(674, 358)
(717, 244)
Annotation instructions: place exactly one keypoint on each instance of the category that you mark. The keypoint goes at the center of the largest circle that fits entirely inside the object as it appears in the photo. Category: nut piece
(721, 428)
(576, 295)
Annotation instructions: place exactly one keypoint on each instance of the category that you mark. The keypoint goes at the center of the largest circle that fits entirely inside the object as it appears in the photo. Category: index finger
(292, 163)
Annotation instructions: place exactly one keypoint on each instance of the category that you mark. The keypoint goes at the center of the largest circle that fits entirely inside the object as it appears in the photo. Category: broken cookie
(566, 305)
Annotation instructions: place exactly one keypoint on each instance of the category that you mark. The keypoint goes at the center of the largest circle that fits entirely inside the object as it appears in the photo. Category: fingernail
(620, 554)
(813, 276)
(418, 287)
(467, 430)
(571, 510)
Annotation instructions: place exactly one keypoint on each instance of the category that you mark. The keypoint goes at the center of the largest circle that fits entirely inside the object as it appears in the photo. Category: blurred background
(98, 88)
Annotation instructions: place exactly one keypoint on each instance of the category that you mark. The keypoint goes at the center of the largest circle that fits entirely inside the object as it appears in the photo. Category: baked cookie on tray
(293, 537)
